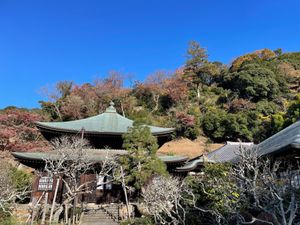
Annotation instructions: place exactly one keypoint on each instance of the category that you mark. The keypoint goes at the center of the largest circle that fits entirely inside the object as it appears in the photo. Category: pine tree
(141, 163)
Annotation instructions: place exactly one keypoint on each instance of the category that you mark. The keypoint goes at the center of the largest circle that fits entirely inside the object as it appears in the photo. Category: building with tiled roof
(105, 129)
(225, 154)
(104, 133)
(284, 145)
(285, 142)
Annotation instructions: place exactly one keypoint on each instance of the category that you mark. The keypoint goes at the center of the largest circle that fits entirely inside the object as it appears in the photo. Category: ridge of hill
(254, 97)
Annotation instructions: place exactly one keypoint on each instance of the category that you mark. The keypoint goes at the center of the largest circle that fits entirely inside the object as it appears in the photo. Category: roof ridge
(239, 143)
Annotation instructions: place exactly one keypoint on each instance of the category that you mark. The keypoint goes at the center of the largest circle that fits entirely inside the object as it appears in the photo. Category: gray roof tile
(228, 153)
(288, 137)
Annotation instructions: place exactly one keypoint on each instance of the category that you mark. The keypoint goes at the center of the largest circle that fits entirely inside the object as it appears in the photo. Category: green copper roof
(93, 155)
(109, 122)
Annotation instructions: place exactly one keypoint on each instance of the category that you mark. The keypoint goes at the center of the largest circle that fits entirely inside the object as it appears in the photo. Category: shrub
(139, 221)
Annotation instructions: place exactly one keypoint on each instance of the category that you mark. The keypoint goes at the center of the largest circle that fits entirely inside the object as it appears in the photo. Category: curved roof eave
(40, 156)
(193, 164)
(44, 126)
(173, 159)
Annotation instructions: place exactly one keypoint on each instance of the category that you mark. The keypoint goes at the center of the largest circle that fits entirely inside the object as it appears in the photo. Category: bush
(7, 219)
(20, 178)
(139, 221)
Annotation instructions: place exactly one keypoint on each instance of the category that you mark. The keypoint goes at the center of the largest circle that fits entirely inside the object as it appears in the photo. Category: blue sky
(45, 41)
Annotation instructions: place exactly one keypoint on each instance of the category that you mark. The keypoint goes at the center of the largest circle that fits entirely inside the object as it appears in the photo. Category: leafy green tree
(212, 124)
(141, 162)
(20, 178)
(293, 112)
(253, 82)
(278, 51)
(220, 126)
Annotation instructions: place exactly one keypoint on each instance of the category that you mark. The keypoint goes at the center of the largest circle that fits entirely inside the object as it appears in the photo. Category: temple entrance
(104, 191)
(100, 190)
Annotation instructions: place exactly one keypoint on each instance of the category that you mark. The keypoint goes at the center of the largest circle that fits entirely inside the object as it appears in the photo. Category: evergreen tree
(198, 69)
(141, 162)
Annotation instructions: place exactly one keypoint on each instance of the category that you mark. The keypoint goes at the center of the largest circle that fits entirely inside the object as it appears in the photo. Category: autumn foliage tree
(18, 132)
(161, 90)
(71, 101)
(259, 55)
(55, 97)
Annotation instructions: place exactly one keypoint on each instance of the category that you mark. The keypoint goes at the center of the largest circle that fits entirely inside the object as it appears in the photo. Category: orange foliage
(263, 54)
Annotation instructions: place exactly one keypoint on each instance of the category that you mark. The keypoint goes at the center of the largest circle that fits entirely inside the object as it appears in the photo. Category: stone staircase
(99, 216)
(112, 210)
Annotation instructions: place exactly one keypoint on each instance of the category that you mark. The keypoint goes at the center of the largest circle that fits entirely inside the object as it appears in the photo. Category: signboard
(45, 184)
(104, 183)
(100, 182)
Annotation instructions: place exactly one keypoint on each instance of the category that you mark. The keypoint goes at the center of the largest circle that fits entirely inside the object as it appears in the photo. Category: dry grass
(186, 147)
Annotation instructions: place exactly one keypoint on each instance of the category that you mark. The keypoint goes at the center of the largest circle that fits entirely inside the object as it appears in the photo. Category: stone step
(97, 220)
(99, 216)
(95, 214)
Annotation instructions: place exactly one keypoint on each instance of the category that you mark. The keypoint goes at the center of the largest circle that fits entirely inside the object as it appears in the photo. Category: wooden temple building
(104, 132)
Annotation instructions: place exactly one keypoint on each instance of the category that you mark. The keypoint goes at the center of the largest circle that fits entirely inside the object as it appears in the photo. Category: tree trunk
(66, 212)
(57, 111)
(156, 102)
(45, 209)
(74, 211)
(34, 209)
(57, 214)
(122, 108)
(54, 199)
(125, 192)
(198, 91)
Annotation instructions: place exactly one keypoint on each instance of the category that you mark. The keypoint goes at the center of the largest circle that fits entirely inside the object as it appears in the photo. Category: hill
(249, 100)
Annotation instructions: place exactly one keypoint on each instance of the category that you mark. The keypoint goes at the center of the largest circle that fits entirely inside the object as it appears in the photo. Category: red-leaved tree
(18, 132)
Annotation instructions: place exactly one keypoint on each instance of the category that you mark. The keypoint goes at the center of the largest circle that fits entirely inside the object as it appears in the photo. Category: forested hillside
(249, 100)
